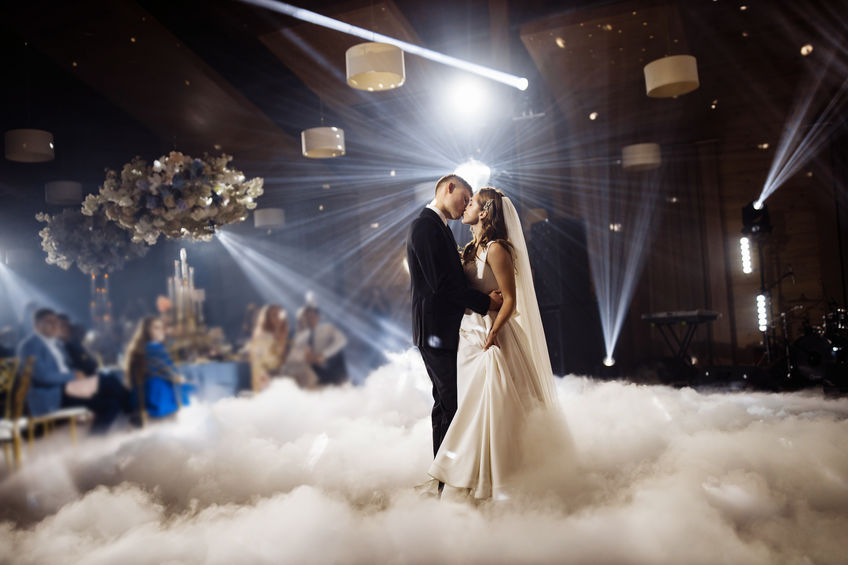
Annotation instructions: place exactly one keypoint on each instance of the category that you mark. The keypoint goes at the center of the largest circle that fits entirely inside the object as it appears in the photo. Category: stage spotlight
(755, 218)
(609, 361)
(474, 172)
(467, 100)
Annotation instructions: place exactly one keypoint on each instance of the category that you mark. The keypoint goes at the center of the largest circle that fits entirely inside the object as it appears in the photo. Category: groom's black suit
(440, 295)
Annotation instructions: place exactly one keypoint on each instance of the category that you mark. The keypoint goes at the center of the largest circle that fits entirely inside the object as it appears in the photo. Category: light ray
(520, 83)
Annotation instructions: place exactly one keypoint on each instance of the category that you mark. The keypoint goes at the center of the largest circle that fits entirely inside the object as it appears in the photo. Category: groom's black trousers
(441, 366)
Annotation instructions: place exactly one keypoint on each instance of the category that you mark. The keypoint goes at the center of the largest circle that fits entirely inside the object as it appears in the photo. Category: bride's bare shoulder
(497, 252)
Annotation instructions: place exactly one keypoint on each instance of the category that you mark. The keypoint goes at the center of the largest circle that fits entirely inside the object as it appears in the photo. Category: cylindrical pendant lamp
(269, 218)
(641, 157)
(375, 66)
(671, 76)
(322, 142)
(63, 192)
(29, 145)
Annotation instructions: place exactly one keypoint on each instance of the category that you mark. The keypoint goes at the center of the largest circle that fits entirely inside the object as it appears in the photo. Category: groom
(440, 295)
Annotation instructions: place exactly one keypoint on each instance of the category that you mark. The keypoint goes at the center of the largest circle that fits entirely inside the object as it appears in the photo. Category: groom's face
(457, 199)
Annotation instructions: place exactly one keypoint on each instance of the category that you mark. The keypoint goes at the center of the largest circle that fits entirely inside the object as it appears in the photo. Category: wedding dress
(498, 388)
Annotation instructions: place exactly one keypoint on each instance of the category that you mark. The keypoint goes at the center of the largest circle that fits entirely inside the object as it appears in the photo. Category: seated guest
(321, 346)
(268, 346)
(78, 356)
(55, 385)
(151, 371)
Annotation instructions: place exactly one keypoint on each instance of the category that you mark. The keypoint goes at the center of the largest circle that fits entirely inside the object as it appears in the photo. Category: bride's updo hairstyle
(492, 227)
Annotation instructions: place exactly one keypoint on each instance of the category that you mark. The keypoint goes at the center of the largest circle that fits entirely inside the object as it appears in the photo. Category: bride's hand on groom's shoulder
(491, 340)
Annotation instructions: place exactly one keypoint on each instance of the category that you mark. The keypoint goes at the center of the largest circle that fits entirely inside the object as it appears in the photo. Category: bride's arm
(500, 260)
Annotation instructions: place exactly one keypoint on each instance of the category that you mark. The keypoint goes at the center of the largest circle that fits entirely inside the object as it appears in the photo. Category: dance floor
(654, 475)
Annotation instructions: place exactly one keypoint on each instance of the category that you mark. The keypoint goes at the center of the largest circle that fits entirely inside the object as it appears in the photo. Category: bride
(503, 369)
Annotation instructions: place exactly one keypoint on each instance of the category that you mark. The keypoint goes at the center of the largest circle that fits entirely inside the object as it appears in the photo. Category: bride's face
(473, 212)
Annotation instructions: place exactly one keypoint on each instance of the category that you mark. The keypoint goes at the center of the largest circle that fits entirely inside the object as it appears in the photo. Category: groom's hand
(495, 300)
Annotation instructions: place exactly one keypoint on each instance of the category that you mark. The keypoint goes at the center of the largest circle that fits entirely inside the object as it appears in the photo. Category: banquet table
(217, 379)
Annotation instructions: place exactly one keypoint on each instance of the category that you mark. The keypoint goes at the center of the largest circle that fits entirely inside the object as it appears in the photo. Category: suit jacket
(440, 292)
(45, 391)
(79, 357)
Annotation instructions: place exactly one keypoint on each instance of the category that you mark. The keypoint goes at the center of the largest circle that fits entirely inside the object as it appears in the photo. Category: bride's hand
(490, 341)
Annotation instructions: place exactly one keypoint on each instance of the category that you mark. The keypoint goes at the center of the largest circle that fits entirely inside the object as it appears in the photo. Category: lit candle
(183, 264)
(176, 271)
(171, 290)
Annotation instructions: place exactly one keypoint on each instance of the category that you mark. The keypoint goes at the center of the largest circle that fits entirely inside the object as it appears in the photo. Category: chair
(15, 385)
(47, 421)
(72, 415)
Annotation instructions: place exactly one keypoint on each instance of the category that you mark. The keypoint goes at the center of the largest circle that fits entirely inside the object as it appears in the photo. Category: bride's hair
(492, 227)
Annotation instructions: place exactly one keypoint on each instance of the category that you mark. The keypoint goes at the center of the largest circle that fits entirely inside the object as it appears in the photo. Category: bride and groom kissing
(476, 322)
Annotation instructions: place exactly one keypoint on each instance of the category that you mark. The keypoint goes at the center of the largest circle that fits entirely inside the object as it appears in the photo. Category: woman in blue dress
(155, 382)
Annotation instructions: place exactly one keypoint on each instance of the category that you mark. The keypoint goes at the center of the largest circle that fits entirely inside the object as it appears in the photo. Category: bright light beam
(520, 83)
(796, 150)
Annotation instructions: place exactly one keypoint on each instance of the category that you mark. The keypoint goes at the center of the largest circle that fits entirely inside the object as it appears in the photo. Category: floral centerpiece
(95, 244)
(175, 196)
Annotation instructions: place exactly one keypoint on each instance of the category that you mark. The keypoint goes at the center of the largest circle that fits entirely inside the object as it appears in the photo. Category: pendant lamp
(63, 192)
(641, 157)
(671, 76)
(322, 142)
(29, 145)
(269, 218)
(375, 66)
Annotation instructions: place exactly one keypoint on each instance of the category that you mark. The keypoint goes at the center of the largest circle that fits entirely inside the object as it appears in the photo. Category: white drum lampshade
(671, 76)
(322, 142)
(269, 218)
(375, 66)
(641, 157)
(29, 145)
(63, 192)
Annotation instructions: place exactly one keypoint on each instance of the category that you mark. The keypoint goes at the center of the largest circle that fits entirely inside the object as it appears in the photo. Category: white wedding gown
(496, 391)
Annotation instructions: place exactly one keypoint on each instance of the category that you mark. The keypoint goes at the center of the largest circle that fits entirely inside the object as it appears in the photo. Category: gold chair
(47, 421)
(15, 385)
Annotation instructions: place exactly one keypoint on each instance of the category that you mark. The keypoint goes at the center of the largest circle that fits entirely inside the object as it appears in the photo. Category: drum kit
(820, 355)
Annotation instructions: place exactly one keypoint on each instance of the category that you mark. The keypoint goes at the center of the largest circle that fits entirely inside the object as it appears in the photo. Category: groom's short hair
(454, 178)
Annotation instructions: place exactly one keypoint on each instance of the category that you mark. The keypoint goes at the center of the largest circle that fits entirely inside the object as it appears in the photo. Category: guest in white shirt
(321, 345)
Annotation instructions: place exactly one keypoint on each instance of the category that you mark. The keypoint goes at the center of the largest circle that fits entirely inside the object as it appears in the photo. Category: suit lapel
(445, 229)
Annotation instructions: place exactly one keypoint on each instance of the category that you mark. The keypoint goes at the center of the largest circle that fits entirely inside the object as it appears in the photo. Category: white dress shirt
(432, 206)
(53, 345)
(327, 341)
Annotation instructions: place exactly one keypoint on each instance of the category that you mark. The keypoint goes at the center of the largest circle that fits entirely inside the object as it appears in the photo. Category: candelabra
(100, 305)
(186, 314)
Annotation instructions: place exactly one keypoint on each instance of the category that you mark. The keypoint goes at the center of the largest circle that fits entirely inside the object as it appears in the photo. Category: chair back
(21, 389)
(8, 371)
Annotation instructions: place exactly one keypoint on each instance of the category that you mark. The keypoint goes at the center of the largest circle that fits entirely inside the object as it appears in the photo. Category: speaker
(561, 275)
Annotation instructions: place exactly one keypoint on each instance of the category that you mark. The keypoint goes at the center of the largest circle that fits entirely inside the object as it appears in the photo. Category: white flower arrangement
(175, 196)
(95, 244)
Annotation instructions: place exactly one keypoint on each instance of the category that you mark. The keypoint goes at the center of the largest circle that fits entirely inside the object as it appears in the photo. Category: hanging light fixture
(269, 218)
(671, 76)
(322, 142)
(375, 66)
(641, 157)
(63, 192)
(29, 145)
